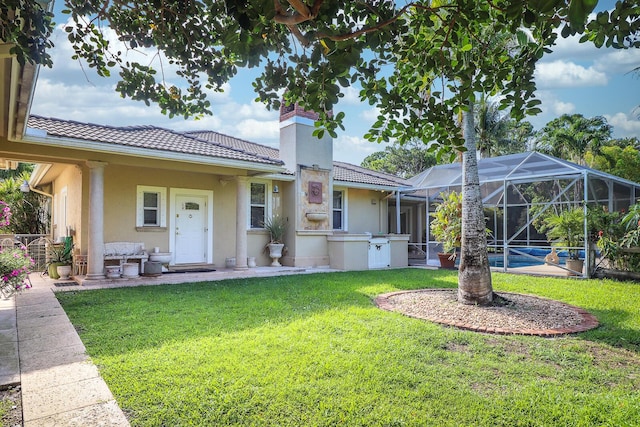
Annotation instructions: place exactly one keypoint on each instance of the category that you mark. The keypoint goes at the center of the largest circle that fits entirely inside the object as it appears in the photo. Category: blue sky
(575, 79)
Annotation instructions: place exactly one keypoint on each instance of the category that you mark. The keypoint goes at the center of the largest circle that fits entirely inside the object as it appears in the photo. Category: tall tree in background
(401, 160)
(625, 142)
(522, 135)
(421, 64)
(618, 157)
(622, 162)
(569, 137)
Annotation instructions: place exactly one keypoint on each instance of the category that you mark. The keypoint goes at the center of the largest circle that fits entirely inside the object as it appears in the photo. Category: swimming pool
(515, 261)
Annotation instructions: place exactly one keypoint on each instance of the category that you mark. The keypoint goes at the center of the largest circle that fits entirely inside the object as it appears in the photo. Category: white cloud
(558, 74)
(559, 108)
(102, 105)
(255, 110)
(98, 104)
(370, 115)
(351, 96)
(571, 49)
(353, 149)
(254, 130)
(552, 107)
(624, 125)
(620, 61)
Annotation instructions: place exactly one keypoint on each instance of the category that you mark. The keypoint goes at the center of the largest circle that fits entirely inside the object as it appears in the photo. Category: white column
(242, 208)
(95, 250)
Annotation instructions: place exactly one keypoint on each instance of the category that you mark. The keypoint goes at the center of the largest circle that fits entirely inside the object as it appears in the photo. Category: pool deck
(533, 270)
(540, 270)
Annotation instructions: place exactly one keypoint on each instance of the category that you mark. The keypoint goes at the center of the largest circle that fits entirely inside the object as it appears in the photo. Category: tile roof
(344, 172)
(239, 144)
(149, 137)
(347, 172)
(204, 143)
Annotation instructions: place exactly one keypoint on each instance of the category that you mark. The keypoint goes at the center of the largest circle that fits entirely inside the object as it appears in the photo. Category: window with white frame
(258, 204)
(151, 206)
(338, 210)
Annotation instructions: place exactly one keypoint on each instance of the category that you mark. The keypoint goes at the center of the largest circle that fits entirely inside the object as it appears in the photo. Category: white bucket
(129, 270)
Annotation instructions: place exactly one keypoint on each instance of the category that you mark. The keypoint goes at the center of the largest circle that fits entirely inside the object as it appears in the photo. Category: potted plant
(60, 256)
(566, 229)
(446, 227)
(276, 226)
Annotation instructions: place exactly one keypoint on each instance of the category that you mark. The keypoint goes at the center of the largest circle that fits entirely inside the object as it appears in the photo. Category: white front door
(190, 229)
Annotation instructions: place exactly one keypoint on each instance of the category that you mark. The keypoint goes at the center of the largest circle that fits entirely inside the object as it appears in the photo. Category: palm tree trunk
(474, 277)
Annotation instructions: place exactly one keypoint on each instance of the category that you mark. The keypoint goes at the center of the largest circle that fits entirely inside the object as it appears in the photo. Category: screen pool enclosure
(518, 190)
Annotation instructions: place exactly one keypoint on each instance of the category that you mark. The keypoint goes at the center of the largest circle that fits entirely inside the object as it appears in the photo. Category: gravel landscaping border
(516, 314)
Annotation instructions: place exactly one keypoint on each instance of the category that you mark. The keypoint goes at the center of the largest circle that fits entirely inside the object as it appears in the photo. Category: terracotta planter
(575, 265)
(445, 262)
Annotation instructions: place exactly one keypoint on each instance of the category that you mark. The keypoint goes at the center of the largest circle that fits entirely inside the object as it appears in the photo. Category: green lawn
(313, 350)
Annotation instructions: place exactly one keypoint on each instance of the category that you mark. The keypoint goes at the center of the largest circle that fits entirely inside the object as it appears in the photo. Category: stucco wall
(363, 216)
(120, 193)
(305, 247)
(349, 252)
(71, 179)
(298, 146)
(399, 250)
(288, 200)
(311, 250)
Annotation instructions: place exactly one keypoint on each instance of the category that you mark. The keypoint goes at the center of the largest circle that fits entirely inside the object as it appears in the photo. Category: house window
(338, 210)
(151, 206)
(258, 204)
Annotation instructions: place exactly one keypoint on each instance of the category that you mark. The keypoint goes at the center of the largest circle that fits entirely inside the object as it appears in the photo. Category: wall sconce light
(276, 189)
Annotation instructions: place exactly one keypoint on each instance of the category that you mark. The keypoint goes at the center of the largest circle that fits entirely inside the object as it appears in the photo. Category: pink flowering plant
(15, 263)
(5, 214)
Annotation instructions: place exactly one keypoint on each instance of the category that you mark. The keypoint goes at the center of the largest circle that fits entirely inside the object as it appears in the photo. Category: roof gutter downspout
(35, 190)
(398, 212)
(13, 98)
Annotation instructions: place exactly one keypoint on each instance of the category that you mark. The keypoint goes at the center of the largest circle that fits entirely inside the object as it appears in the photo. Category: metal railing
(36, 245)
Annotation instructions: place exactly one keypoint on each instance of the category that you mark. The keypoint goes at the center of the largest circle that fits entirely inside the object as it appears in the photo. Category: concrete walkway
(60, 385)
(9, 365)
(41, 350)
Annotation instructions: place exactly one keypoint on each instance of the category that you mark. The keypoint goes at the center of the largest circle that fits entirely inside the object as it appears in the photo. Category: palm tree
(569, 137)
(496, 132)
(474, 277)
(490, 127)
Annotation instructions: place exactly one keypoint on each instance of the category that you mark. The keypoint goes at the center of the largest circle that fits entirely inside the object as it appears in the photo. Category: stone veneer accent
(308, 175)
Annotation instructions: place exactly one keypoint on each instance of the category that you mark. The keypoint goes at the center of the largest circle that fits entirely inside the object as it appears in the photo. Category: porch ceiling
(16, 88)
